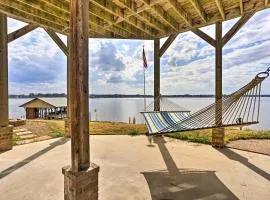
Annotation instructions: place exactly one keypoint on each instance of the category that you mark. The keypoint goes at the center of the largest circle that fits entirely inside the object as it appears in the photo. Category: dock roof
(45, 103)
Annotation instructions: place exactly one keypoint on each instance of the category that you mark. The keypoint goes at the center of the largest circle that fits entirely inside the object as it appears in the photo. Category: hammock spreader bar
(240, 108)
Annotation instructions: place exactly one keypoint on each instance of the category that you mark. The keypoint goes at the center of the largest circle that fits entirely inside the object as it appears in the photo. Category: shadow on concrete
(186, 184)
(27, 160)
(243, 160)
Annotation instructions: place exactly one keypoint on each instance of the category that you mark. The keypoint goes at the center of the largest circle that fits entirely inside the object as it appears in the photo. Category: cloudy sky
(37, 65)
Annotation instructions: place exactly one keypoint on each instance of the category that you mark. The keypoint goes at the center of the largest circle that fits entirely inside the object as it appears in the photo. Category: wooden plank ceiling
(132, 19)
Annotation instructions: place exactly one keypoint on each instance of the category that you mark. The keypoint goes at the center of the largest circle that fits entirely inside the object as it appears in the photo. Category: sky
(37, 65)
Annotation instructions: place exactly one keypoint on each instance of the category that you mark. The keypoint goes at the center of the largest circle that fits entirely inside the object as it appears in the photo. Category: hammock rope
(237, 109)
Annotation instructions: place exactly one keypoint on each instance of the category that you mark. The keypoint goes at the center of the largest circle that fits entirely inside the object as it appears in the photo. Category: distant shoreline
(95, 96)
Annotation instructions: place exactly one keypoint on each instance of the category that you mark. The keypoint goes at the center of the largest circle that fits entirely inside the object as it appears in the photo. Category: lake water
(119, 109)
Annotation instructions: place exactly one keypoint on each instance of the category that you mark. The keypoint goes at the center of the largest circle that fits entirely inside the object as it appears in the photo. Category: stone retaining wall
(6, 138)
(17, 122)
(218, 137)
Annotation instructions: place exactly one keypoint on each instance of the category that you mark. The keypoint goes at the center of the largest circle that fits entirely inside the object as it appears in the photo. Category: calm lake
(119, 109)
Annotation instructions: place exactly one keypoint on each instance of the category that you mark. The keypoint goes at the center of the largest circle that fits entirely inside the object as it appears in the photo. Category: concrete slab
(131, 170)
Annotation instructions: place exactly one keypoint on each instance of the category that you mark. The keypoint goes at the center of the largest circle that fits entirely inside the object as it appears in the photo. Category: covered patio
(131, 170)
(122, 19)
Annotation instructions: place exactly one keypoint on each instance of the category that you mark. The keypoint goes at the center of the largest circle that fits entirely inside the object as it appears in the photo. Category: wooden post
(78, 85)
(218, 72)
(81, 178)
(156, 75)
(218, 133)
(5, 129)
(67, 120)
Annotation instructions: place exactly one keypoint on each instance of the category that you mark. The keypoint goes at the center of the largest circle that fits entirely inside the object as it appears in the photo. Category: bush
(133, 132)
(57, 134)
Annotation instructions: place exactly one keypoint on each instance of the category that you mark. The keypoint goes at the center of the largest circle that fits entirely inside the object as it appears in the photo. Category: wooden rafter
(180, 11)
(220, 8)
(112, 9)
(239, 24)
(21, 32)
(199, 9)
(58, 41)
(22, 16)
(138, 24)
(132, 12)
(158, 10)
(241, 7)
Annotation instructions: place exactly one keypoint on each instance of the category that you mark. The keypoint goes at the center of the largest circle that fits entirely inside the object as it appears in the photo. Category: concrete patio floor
(131, 170)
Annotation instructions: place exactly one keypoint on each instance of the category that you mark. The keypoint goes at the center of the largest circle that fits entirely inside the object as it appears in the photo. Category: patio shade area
(132, 19)
(131, 170)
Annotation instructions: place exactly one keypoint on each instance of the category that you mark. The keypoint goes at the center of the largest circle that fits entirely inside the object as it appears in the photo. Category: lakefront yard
(56, 128)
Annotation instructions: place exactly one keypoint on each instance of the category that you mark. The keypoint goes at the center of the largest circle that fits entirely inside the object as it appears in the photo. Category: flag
(144, 60)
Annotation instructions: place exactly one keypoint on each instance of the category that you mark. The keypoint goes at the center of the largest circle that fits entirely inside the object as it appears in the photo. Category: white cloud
(187, 66)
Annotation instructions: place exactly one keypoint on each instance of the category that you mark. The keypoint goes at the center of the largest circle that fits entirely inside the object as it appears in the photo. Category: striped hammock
(240, 108)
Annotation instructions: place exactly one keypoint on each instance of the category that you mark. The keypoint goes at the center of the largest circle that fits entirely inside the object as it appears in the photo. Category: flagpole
(144, 88)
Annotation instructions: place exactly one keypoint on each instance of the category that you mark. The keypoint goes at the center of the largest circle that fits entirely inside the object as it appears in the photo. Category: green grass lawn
(55, 128)
(231, 134)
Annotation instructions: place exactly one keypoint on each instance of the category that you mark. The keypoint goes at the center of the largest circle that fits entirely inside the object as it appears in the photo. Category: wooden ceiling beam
(199, 9)
(220, 8)
(63, 14)
(22, 16)
(158, 10)
(143, 16)
(241, 7)
(133, 15)
(150, 19)
(29, 10)
(180, 11)
(118, 12)
(21, 32)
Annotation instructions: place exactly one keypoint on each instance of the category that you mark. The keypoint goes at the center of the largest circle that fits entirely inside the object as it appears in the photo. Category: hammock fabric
(237, 109)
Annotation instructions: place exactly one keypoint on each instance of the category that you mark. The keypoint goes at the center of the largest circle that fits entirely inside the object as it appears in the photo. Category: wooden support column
(5, 129)
(156, 75)
(218, 133)
(81, 178)
(67, 119)
(218, 76)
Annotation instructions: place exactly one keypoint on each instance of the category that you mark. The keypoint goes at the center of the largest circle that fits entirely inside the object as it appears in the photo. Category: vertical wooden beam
(218, 90)
(3, 71)
(156, 75)
(78, 86)
(5, 129)
(67, 120)
(81, 178)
